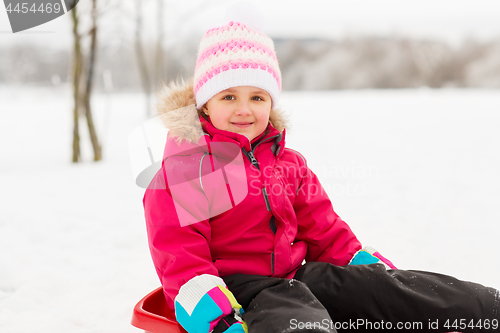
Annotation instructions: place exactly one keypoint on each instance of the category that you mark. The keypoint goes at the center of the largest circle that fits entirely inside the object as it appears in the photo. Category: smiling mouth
(242, 124)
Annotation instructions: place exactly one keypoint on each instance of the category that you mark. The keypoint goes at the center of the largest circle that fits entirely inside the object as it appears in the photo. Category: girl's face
(243, 110)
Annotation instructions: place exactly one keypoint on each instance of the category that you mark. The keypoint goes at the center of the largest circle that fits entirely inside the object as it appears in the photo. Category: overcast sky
(451, 20)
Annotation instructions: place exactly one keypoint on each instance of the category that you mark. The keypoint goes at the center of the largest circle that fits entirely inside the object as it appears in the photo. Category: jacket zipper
(250, 154)
(253, 160)
(272, 263)
(255, 163)
(266, 199)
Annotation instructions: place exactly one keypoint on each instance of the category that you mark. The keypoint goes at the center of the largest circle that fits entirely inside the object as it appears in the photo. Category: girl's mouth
(242, 124)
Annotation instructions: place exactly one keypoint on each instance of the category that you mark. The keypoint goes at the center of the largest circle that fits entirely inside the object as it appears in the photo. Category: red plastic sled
(153, 315)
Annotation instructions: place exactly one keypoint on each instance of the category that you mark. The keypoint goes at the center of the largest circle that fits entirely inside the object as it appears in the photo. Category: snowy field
(414, 172)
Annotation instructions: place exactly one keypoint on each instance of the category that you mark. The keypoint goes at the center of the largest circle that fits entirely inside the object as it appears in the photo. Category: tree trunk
(88, 87)
(77, 70)
(158, 72)
(141, 60)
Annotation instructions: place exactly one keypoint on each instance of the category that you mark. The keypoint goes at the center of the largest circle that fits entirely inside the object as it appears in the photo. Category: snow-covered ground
(414, 172)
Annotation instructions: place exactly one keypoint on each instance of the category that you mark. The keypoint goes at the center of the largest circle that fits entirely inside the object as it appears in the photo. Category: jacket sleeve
(329, 238)
(179, 252)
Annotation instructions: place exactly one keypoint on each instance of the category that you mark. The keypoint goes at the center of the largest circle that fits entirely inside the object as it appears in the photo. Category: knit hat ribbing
(236, 55)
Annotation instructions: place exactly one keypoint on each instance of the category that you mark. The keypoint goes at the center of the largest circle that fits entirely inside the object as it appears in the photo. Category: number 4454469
(35, 8)
(463, 324)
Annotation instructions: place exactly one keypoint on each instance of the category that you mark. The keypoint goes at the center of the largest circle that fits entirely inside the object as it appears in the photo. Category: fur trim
(177, 109)
(278, 119)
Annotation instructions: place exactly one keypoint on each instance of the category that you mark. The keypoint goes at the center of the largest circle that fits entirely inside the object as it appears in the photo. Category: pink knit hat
(233, 55)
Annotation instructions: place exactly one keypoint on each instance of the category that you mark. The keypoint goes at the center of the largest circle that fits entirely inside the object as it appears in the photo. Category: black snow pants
(364, 298)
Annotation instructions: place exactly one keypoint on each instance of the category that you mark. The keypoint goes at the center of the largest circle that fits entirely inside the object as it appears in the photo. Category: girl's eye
(228, 97)
(258, 98)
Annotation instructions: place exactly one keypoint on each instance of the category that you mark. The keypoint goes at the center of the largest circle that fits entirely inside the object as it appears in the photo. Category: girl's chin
(242, 129)
(249, 131)
(249, 134)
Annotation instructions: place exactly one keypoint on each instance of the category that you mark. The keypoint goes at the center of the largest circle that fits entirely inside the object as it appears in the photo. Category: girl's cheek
(264, 117)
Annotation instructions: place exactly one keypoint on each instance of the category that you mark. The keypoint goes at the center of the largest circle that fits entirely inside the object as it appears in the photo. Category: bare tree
(151, 78)
(82, 92)
(158, 72)
(77, 71)
(89, 83)
(141, 59)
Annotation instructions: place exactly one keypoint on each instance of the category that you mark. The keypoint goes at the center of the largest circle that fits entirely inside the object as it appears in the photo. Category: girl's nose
(243, 109)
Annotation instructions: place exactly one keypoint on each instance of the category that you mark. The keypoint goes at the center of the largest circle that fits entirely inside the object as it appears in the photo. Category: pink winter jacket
(221, 205)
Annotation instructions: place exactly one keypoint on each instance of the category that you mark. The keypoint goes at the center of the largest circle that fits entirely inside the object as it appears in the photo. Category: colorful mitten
(368, 255)
(202, 302)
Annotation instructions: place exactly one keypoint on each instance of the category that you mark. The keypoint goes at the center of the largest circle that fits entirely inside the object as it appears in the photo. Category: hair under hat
(236, 54)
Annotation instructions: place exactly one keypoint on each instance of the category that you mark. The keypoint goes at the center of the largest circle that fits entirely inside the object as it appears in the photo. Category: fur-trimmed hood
(177, 109)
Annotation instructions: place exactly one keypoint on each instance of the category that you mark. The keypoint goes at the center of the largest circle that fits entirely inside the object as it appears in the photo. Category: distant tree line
(387, 63)
(306, 64)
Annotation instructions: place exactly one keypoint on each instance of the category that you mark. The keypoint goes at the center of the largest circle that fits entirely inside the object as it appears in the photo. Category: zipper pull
(253, 160)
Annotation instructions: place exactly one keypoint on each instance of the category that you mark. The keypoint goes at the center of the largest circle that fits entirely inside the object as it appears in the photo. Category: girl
(233, 214)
